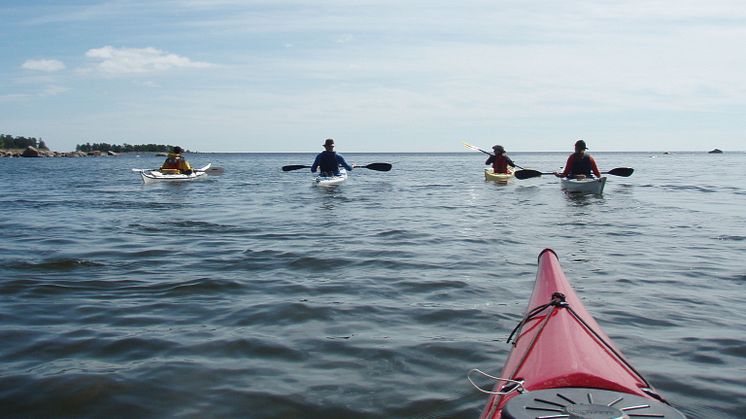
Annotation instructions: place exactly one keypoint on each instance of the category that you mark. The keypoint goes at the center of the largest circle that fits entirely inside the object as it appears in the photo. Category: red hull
(555, 349)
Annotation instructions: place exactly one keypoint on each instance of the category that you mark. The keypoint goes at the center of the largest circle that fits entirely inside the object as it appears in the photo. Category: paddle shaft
(619, 171)
(381, 167)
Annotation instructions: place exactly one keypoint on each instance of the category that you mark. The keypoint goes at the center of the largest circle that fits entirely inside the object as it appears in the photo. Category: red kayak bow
(563, 365)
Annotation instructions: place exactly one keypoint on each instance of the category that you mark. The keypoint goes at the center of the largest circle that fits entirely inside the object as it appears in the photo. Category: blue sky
(385, 75)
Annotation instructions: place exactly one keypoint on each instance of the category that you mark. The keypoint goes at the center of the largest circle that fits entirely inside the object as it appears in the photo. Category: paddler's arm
(184, 166)
(568, 168)
(315, 164)
(343, 163)
(594, 168)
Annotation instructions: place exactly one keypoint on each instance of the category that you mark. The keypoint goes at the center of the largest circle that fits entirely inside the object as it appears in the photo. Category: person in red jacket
(500, 160)
(580, 165)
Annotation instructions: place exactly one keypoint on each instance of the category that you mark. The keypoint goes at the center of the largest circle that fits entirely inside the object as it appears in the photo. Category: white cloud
(344, 39)
(43, 65)
(14, 97)
(418, 69)
(53, 90)
(121, 61)
(149, 83)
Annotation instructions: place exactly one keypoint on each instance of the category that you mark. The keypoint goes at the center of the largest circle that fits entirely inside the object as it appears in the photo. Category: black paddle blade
(526, 174)
(381, 167)
(621, 171)
(294, 167)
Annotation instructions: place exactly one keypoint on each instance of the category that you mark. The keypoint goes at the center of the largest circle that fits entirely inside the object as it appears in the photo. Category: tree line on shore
(124, 148)
(11, 142)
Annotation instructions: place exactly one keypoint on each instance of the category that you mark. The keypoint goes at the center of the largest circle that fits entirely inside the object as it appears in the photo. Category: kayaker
(580, 165)
(500, 160)
(175, 161)
(328, 161)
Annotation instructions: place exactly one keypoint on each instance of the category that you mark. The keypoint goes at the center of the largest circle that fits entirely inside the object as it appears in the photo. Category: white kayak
(331, 180)
(585, 186)
(153, 176)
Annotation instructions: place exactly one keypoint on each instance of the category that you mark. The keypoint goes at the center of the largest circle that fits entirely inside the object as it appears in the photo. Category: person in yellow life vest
(175, 162)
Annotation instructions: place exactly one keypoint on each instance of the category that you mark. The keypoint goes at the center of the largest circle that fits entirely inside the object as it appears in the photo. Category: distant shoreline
(32, 152)
(4, 152)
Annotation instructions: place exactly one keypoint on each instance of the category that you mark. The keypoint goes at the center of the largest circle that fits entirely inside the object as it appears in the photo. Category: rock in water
(30, 152)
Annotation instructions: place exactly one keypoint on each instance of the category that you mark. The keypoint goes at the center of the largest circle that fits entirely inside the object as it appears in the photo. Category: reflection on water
(581, 199)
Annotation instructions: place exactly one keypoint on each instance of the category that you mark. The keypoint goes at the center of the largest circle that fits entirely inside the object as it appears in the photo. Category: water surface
(256, 294)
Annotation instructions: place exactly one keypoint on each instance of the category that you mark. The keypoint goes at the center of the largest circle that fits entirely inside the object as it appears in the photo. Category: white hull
(331, 180)
(585, 186)
(155, 176)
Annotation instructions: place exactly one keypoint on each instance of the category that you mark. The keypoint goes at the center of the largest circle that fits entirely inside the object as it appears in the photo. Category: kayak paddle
(214, 170)
(529, 173)
(294, 167)
(475, 148)
(381, 167)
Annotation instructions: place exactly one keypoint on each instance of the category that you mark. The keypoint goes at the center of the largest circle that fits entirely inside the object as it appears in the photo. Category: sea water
(256, 294)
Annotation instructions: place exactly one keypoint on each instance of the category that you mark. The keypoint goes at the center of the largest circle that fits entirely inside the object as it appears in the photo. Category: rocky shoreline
(35, 152)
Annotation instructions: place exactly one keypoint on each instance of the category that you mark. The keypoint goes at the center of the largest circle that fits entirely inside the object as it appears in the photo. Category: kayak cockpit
(585, 403)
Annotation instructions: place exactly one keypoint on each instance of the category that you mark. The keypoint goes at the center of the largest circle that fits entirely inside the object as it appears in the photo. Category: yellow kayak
(489, 174)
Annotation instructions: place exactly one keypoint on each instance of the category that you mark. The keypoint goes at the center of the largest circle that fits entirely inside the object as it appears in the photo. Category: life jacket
(176, 162)
(500, 164)
(172, 162)
(581, 165)
(328, 163)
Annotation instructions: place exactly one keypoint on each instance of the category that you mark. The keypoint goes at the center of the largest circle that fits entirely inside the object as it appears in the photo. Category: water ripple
(257, 292)
(54, 265)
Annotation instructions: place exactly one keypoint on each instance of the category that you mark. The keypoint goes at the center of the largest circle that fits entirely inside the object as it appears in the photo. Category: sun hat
(329, 142)
(498, 148)
(581, 145)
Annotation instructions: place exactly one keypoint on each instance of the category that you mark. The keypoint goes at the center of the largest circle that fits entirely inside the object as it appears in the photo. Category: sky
(377, 76)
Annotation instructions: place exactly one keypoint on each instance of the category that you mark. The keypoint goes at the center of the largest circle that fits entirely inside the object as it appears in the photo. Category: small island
(715, 151)
(11, 146)
(19, 146)
(124, 148)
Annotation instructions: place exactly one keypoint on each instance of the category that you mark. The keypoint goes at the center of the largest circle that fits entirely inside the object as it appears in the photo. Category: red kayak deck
(559, 345)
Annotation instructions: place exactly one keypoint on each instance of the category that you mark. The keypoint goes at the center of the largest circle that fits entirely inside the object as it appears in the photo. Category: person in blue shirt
(329, 161)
